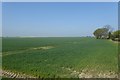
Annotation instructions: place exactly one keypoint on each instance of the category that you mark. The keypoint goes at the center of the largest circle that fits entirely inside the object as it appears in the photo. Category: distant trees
(103, 33)
(98, 33)
(107, 33)
(116, 35)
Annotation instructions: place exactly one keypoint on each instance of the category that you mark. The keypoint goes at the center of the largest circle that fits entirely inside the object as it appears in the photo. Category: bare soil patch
(42, 48)
(9, 74)
(85, 73)
(20, 51)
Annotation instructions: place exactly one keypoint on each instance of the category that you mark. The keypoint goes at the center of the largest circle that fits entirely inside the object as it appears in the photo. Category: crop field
(64, 57)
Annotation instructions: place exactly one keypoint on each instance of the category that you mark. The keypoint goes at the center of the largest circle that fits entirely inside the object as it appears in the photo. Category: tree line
(107, 32)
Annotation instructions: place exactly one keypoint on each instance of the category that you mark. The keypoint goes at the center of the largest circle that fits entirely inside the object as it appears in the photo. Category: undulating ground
(63, 57)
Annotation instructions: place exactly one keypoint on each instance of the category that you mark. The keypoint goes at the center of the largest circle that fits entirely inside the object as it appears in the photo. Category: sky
(57, 19)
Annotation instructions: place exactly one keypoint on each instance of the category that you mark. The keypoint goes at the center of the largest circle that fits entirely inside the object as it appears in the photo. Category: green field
(60, 56)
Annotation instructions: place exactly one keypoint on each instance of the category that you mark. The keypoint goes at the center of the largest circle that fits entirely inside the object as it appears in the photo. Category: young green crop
(66, 57)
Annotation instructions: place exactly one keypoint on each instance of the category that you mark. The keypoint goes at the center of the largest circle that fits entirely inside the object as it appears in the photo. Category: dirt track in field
(9, 74)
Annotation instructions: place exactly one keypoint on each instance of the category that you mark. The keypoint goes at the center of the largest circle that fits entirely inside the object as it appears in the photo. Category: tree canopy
(103, 32)
(106, 32)
(116, 34)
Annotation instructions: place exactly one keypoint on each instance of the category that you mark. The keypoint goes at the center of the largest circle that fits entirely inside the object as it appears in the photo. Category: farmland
(63, 57)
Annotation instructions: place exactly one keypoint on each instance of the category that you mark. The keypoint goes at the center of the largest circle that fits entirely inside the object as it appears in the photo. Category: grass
(67, 56)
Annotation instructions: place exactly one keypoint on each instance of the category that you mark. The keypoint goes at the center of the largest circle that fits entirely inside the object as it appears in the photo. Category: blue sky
(52, 19)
